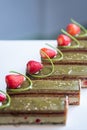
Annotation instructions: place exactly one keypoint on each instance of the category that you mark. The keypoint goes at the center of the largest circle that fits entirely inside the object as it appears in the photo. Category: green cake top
(75, 56)
(50, 86)
(66, 70)
(83, 44)
(55, 85)
(69, 56)
(27, 104)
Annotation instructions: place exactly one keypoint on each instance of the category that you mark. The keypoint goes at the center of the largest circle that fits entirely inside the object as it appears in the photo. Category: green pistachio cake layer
(70, 88)
(51, 86)
(76, 57)
(83, 45)
(64, 72)
(27, 110)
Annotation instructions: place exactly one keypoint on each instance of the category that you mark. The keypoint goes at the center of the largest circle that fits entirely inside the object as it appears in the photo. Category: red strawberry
(73, 29)
(49, 52)
(63, 40)
(14, 81)
(2, 97)
(34, 67)
(84, 82)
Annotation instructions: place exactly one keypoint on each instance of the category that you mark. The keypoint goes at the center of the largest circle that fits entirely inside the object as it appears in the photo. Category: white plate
(13, 56)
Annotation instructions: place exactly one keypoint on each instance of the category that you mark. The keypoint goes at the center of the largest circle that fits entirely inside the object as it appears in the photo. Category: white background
(14, 55)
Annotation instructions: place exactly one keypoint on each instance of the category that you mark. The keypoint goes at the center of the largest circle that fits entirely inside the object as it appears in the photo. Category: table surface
(13, 56)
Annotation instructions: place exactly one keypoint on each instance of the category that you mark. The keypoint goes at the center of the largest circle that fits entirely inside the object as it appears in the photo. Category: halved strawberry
(2, 97)
(63, 40)
(51, 53)
(14, 81)
(73, 29)
(34, 67)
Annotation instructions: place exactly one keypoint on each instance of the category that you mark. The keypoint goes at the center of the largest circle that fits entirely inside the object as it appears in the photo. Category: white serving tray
(13, 56)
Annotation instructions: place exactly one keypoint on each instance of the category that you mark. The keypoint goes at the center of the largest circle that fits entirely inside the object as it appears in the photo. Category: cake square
(58, 88)
(34, 110)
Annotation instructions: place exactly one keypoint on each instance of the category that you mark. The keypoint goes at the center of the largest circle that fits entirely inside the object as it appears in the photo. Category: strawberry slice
(2, 97)
(73, 29)
(63, 40)
(14, 81)
(51, 53)
(34, 67)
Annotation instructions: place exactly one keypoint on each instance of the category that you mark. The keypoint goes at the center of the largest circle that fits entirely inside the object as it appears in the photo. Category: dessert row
(42, 94)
